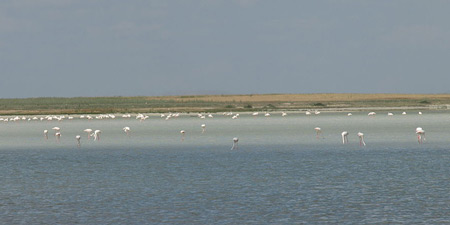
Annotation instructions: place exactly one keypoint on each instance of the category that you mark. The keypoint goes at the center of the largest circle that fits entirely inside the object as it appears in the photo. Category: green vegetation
(215, 103)
(270, 106)
(319, 104)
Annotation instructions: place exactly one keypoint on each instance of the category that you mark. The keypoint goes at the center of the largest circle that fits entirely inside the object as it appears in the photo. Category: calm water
(281, 173)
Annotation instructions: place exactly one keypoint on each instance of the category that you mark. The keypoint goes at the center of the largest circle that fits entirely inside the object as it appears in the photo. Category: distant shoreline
(225, 103)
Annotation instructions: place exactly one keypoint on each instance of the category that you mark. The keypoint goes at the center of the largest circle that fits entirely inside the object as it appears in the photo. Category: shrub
(270, 106)
(318, 104)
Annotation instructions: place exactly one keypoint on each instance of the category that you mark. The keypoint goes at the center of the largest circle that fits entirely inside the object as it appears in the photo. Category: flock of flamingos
(95, 134)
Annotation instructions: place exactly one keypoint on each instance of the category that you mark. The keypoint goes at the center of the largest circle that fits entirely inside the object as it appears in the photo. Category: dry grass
(216, 103)
(303, 97)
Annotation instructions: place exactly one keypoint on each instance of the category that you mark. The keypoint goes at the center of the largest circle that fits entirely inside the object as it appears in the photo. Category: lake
(281, 173)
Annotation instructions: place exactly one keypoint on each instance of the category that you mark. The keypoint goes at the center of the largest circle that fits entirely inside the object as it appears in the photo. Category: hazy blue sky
(149, 47)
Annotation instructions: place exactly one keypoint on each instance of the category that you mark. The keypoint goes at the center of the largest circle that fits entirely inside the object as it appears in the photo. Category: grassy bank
(216, 103)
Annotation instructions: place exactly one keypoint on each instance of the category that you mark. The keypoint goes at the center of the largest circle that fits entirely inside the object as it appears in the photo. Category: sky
(72, 48)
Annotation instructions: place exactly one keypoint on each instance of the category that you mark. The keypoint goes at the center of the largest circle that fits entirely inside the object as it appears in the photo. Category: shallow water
(281, 174)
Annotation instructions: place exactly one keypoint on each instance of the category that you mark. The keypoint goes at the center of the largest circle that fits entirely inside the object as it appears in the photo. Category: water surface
(281, 174)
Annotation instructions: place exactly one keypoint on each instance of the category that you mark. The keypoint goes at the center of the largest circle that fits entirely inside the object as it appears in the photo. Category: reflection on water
(281, 174)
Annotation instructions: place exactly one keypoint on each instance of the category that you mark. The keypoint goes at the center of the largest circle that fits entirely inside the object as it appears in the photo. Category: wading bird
(58, 136)
(89, 132)
(361, 139)
(78, 137)
(420, 135)
(46, 134)
(126, 130)
(203, 128)
(56, 129)
(318, 132)
(344, 137)
(235, 143)
(182, 132)
(96, 135)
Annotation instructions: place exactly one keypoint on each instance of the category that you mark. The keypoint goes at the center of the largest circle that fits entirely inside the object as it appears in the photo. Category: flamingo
(78, 137)
(390, 114)
(235, 143)
(89, 131)
(96, 135)
(420, 135)
(349, 114)
(420, 113)
(318, 132)
(371, 114)
(361, 139)
(182, 132)
(46, 134)
(203, 128)
(403, 113)
(58, 136)
(56, 129)
(283, 114)
(126, 130)
(344, 137)
(308, 113)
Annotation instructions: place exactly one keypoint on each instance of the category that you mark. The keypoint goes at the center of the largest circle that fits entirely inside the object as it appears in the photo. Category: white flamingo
(56, 129)
(46, 134)
(283, 114)
(361, 139)
(403, 113)
(235, 143)
(58, 136)
(96, 135)
(182, 132)
(349, 114)
(203, 128)
(89, 132)
(318, 132)
(126, 130)
(344, 137)
(78, 137)
(420, 135)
